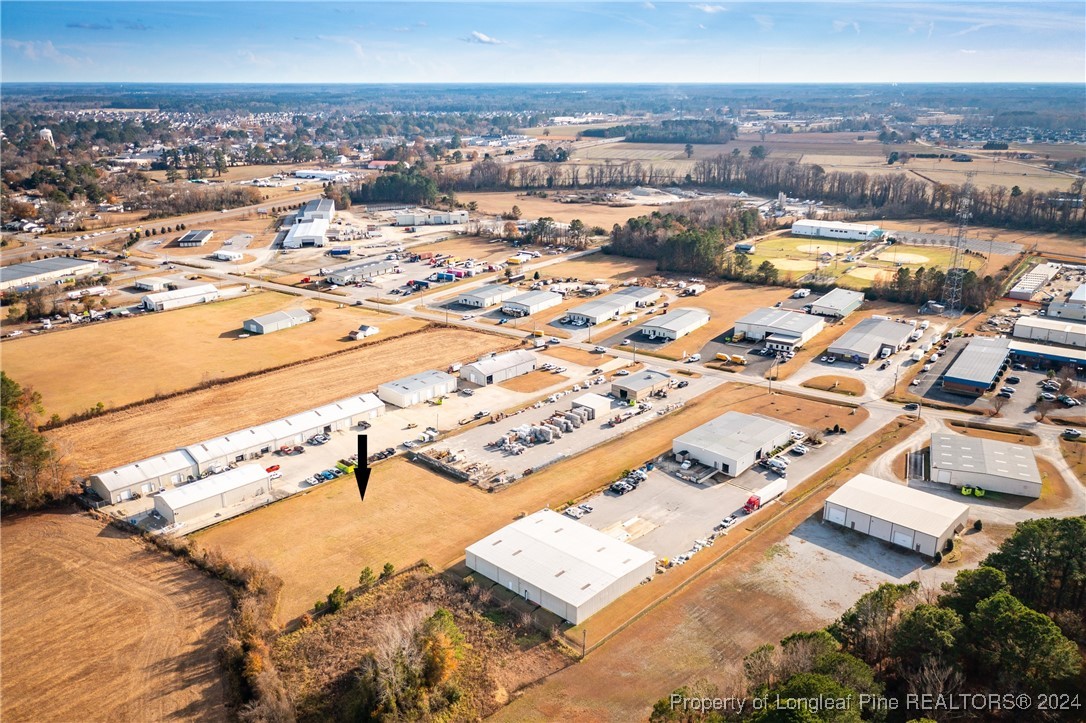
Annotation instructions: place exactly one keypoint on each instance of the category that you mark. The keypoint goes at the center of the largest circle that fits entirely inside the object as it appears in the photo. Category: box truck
(764, 496)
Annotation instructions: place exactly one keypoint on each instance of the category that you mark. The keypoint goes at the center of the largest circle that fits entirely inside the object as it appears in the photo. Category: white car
(599, 350)
(625, 342)
(797, 435)
(801, 449)
(622, 373)
(554, 340)
(275, 475)
(465, 317)
(575, 512)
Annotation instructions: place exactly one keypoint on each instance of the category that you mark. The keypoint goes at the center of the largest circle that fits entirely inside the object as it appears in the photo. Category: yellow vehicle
(724, 357)
(537, 332)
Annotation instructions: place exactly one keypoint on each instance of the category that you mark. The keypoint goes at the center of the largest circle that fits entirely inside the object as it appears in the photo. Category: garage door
(836, 515)
(905, 539)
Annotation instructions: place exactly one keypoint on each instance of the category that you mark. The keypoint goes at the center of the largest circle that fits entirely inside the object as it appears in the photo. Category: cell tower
(955, 274)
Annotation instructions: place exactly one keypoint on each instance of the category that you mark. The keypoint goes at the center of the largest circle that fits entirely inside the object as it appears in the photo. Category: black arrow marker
(362, 469)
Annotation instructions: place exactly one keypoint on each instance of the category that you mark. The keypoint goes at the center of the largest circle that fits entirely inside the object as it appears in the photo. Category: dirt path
(99, 626)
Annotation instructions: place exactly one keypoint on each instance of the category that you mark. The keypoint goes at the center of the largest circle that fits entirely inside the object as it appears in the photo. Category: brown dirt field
(577, 356)
(602, 266)
(691, 635)
(262, 229)
(170, 351)
(469, 247)
(1075, 454)
(842, 385)
(116, 612)
(1013, 437)
(161, 426)
(533, 381)
(1054, 491)
(835, 331)
(408, 514)
(535, 207)
(1055, 243)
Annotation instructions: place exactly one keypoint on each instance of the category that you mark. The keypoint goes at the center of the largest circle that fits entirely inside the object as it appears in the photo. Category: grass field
(85, 606)
(534, 207)
(133, 359)
(1075, 453)
(164, 425)
(602, 266)
(842, 385)
(412, 513)
(533, 381)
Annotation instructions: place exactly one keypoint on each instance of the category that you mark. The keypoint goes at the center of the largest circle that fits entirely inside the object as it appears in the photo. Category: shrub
(337, 599)
(366, 578)
(388, 571)
(938, 558)
(978, 525)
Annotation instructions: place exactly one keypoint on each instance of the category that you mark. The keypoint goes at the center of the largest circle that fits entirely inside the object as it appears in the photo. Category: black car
(912, 407)
(1012, 380)
(683, 384)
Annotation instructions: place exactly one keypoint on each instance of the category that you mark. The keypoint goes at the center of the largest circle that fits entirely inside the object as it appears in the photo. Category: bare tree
(933, 678)
(998, 403)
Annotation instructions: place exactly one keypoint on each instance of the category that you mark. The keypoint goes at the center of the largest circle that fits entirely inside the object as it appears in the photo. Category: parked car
(1072, 433)
(575, 512)
(1012, 380)
(1005, 395)
(912, 407)
(683, 384)
(586, 508)
(622, 373)
(599, 350)
(275, 475)
(1048, 396)
(801, 449)
(1008, 390)
(797, 435)
(727, 522)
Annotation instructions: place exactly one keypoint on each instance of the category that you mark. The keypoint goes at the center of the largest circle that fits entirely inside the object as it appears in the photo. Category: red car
(273, 468)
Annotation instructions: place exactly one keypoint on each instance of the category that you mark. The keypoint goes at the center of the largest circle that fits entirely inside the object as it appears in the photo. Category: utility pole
(955, 274)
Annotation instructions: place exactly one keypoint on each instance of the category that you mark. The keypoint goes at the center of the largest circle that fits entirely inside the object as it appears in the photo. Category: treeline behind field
(669, 131)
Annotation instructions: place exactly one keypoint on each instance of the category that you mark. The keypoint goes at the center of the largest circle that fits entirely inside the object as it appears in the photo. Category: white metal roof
(839, 299)
(1078, 296)
(869, 335)
(920, 511)
(501, 362)
(152, 281)
(532, 298)
(229, 445)
(594, 401)
(1070, 327)
(213, 486)
(782, 321)
(139, 472)
(980, 361)
(185, 293)
(604, 306)
(836, 225)
(734, 434)
(298, 316)
(485, 293)
(640, 293)
(959, 453)
(641, 380)
(678, 320)
(557, 554)
(425, 380)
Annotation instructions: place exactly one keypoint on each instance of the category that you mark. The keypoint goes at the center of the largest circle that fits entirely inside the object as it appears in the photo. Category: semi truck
(801, 293)
(764, 496)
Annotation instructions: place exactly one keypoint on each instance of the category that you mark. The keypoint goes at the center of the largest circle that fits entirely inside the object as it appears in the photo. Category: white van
(694, 358)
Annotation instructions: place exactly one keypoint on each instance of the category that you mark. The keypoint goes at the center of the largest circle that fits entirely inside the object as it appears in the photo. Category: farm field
(534, 207)
(169, 351)
(602, 266)
(160, 426)
(569, 132)
(412, 513)
(117, 613)
(1051, 242)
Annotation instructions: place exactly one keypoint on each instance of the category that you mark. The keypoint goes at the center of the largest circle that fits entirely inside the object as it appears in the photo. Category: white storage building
(223, 255)
(1051, 330)
(311, 232)
(836, 230)
(640, 385)
(838, 303)
(1033, 281)
(560, 564)
(151, 283)
(487, 295)
(732, 442)
(963, 461)
(599, 404)
(642, 295)
(1074, 308)
(909, 518)
(978, 366)
(34, 272)
(409, 391)
(781, 329)
(194, 238)
(531, 303)
(611, 306)
(427, 218)
(322, 208)
(230, 493)
(675, 324)
(499, 367)
(359, 272)
(144, 477)
(166, 300)
(276, 321)
(867, 340)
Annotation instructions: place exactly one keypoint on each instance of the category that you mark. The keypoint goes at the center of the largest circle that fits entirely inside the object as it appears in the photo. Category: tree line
(32, 472)
(669, 131)
(1009, 626)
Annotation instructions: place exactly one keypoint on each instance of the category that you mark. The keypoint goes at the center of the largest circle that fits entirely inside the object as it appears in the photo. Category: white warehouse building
(499, 367)
(732, 442)
(1073, 308)
(836, 230)
(276, 321)
(869, 339)
(1051, 330)
(675, 324)
(166, 300)
(412, 390)
(838, 303)
(962, 461)
(487, 295)
(306, 233)
(144, 477)
(222, 255)
(30, 273)
(531, 303)
(359, 272)
(780, 329)
(228, 494)
(560, 564)
(151, 283)
(431, 218)
(902, 516)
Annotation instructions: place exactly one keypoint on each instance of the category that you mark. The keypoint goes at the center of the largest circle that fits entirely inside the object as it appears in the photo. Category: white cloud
(353, 44)
(38, 50)
(971, 29)
(648, 6)
(921, 26)
(711, 9)
(764, 21)
(839, 25)
(967, 52)
(477, 37)
(252, 58)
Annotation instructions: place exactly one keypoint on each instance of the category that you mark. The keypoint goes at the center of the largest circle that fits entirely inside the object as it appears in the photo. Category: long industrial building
(35, 272)
(962, 461)
(276, 321)
(166, 300)
(227, 494)
(732, 442)
(499, 367)
(144, 477)
(487, 295)
(531, 303)
(1051, 330)
(675, 324)
(867, 340)
(838, 303)
(561, 565)
(412, 390)
(837, 230)
(977, 368)
(902, 516)
(780, 329)
(306, 233)
(1033, 281)
(613, 305)
(360, 272)
(1073, 308)
(430, 218)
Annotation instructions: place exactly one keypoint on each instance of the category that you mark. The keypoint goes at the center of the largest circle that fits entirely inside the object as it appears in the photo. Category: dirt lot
(534, 381)
(88, 607)
(165, 425)
(469, 247)
(534, 207)
(1075, 454)
(1011, 436)
(412, 513)
(602, 266)
(842, 385)
(261, 228)
(577, 356)
(166, 352)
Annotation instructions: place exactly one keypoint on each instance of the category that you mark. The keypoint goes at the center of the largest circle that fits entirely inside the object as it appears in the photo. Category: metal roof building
(1073, 308)
(1051, 330)
(640, 385)
(732, 442)
(866, 340)
(978, 366)
(487, 295)
(276, 321)
(358, 272)
(195, 238)
(610, 306)
(411, 390)
(150, 283)
(531, 302)
(991, 465)
(1028, 351)
(902, 516)
(839, 303)
(675, 324)
(144, 477)
(306, 232)
(838, 230)
(780, 328)
(33, 272)
(227, 494)
(499, 367)
(560, 564)
(166, 300)
(324, 208)
(642, 295)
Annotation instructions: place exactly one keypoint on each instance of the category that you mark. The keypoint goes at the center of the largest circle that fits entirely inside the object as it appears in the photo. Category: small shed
(599, 405)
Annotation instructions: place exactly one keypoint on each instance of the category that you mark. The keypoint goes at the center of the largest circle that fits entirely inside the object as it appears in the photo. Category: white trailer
(765, 495)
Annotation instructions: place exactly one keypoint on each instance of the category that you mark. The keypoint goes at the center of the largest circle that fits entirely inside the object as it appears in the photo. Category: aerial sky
(540, 42)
